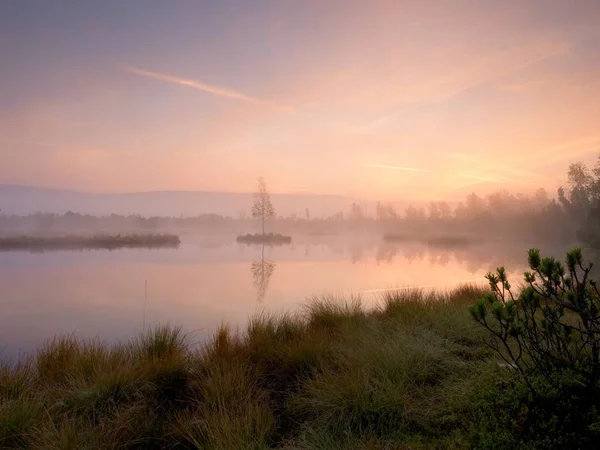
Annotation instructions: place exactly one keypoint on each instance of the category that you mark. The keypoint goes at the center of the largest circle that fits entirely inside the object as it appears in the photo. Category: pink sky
(382, 99)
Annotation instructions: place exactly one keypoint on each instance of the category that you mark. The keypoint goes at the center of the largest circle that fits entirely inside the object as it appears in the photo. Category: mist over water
(210, 280)
(318, 224)
(203, 270)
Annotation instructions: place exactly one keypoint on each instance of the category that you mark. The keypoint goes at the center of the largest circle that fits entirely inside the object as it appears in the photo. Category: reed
(335, 375)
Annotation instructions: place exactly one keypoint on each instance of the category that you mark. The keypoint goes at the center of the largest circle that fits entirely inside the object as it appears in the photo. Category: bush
(554, 324)
(549, 336)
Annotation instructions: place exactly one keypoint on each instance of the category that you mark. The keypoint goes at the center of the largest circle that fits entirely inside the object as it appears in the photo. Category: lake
(213, 280)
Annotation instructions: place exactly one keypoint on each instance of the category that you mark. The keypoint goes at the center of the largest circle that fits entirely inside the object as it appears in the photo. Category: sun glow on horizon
(378, 100)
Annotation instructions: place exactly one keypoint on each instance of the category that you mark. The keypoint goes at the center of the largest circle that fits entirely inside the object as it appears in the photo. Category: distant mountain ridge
(22, 200)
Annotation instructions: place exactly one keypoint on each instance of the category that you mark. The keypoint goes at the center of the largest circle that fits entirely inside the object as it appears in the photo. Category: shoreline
(81, 242)
(286, 381)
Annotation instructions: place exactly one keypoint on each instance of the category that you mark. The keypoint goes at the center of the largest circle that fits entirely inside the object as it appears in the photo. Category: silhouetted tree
(435, 212)
(414, 215)
(475, 205)
(581, 201)
(385, 212)
(445, 210)
(262, 208)
(356, 212)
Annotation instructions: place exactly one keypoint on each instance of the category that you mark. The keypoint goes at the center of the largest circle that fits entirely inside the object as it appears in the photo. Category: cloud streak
(406, 169)
(486, 167)
(205, 87)
(489, 69)
(29, 142)
(564, 151)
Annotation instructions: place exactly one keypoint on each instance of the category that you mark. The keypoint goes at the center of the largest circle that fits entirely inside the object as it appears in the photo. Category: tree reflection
(262, 271)
(474, 258)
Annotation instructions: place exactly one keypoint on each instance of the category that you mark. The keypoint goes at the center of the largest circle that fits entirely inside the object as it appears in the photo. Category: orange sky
(382, 99)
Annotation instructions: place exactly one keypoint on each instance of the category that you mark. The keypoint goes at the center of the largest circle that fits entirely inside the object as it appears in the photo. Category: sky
(379, 99)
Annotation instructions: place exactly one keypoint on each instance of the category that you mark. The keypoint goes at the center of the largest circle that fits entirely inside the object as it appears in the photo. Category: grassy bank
(406, 375)
(75, 242)
(412, 373)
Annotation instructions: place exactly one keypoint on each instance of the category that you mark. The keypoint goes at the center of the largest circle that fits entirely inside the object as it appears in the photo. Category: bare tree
(262, 208)
(262, 271)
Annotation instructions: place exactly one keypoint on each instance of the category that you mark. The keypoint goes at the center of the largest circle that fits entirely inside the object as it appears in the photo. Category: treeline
(49, 223)
(499, 215)
(581, 201)
(572, 214)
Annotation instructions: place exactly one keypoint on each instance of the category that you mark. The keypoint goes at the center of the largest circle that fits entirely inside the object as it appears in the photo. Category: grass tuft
(159, 343)
(337, 375)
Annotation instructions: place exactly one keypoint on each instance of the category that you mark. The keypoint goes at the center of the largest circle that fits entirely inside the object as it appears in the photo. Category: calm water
(208, 281)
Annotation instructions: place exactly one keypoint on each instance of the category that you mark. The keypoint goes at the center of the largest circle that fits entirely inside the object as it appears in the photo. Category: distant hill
(23, 200)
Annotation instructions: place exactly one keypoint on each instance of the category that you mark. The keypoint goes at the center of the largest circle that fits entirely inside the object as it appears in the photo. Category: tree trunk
(263, 224)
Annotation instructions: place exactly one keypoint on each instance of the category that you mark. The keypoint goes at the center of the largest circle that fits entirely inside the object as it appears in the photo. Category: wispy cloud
(484, 166)
(479, 177)
(490, 178)
(209, 88)
(495, 66)
(376, 124)
(475, 180)
(489, 69)
(564, 151)
(404, 168)
(29, 142)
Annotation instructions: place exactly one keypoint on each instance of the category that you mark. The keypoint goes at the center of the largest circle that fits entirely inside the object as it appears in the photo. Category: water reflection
(474, 258)
(262, 271)
(206, 281)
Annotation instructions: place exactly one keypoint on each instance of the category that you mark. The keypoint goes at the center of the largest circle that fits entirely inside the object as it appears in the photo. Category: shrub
(550, 336)
(554, 324)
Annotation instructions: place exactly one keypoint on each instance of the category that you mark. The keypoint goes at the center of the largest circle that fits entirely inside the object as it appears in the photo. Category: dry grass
(334, 376)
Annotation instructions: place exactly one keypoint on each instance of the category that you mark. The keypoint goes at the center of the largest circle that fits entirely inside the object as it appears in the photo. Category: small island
(268, 239)
(263, 209)
(433, 240)
(80, 242)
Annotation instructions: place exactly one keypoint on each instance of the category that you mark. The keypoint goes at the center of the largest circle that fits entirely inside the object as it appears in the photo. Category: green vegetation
(549, 336)
(553, 325)
(267, 239)
(101, 241)
(336, 376)
(415, 372)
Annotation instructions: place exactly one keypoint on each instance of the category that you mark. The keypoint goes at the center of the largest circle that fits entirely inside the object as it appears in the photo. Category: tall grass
(333, 376)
